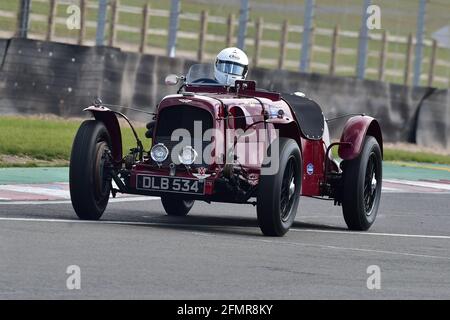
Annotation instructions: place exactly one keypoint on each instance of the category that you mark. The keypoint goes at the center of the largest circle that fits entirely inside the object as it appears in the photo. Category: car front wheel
(90, 183)
(279, 193)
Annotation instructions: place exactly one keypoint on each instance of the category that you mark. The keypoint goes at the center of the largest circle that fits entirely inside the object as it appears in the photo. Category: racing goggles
(231, 68)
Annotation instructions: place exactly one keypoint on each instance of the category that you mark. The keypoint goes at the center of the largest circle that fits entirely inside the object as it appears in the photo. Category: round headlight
(187, 155)
(159, 152)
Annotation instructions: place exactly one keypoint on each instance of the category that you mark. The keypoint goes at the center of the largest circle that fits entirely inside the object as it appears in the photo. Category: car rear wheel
(90, 184)
(279, 193)
(176, 205)
(362, 186)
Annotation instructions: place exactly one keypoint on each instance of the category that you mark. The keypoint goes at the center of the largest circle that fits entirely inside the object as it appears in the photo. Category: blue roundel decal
(310, 169)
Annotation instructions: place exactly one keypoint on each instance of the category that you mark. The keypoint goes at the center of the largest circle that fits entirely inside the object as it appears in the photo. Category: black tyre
(279, 194)
(90, 184)
(362, 186)
(176, 205)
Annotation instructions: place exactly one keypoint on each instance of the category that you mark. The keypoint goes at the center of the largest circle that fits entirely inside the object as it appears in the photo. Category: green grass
(51, 140)
(398, 18)
(402, 155)
(45, 139)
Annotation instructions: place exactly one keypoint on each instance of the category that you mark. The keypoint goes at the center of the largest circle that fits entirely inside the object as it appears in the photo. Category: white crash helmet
(231, 65)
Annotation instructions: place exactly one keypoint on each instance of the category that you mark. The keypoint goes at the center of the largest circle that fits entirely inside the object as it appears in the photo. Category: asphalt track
(218, 252)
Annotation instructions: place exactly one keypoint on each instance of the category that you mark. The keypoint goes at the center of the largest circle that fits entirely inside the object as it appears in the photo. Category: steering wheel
(205, 80)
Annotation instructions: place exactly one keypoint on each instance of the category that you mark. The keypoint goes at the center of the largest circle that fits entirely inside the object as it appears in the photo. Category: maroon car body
(292, 118)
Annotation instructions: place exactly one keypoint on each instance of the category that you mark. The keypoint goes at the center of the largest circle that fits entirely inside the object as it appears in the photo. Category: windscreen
(200, 71)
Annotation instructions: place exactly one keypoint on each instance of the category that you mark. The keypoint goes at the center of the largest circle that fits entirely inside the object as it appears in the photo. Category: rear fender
(111, 123)
(355, 131)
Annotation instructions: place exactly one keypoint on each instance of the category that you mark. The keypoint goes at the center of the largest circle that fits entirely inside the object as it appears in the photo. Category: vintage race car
(233, 144)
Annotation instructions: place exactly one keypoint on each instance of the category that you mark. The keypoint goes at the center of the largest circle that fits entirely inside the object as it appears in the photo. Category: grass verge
(409, 156)
(46, 141)
(39, 141)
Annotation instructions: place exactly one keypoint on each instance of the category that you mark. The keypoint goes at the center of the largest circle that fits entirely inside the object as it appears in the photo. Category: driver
(231, 65)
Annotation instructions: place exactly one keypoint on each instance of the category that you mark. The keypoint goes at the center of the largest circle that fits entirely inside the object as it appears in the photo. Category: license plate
(170, 184)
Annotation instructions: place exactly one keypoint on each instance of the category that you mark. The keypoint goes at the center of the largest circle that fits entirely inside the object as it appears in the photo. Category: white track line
(389, 189)
(112, 200)
(322, 246)
(425, 184)
(219, 226)
(401, 235)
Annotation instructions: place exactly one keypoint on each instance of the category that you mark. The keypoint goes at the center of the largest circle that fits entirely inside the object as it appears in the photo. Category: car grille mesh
(182, 117)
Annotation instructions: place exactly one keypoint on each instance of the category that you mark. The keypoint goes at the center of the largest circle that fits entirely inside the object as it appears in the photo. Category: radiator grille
(183, 117)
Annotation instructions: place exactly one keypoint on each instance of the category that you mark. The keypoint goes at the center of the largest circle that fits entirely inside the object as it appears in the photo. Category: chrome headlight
(159, 152)
(187, 155)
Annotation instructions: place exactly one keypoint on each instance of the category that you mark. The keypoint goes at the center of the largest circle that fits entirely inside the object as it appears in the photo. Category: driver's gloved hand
(150, 126)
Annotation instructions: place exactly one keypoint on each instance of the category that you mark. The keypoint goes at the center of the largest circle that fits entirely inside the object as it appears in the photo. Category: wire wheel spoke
(101, 176)
(370, 184)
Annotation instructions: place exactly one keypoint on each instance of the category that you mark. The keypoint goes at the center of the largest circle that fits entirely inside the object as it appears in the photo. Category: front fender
(355, 131)
(288, 129)
(111, 123)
